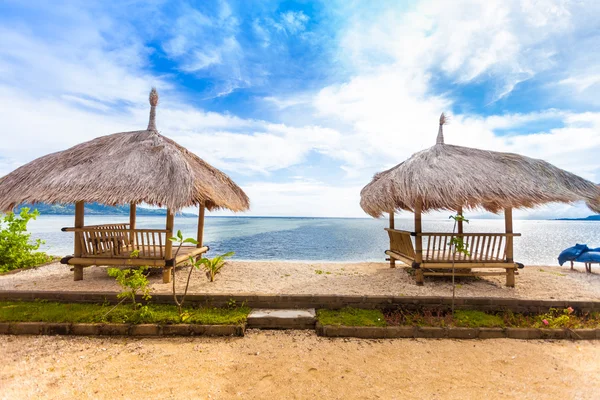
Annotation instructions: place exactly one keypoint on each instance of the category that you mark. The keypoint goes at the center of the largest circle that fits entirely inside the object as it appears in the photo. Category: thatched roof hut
(128, 167)
(448, 177)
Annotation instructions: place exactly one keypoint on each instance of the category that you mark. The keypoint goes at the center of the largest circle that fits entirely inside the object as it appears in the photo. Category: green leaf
(174, 239)
(180, 235)
(190, 240)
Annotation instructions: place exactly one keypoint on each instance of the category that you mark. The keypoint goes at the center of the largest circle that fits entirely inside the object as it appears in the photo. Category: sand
(296, 365)
(367, 278)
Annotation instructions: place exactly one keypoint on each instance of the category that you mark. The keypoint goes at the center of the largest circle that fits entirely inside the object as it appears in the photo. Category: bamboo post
(132, 212)
(459, 223)
(418, 243)
(392, 226)
(200, 235)
(168, 269)
(78, 250)
(508, 223)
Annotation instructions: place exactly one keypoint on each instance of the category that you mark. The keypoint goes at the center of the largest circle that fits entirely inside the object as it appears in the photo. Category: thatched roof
(447, 177)
(140, 166)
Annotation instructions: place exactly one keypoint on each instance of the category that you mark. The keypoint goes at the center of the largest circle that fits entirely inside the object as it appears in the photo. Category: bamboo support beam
(459, 223)
(418, 243)
(508, 223)
(167, 271)
(200, 235)
(78, 250)
(392, 226)
(132, 215)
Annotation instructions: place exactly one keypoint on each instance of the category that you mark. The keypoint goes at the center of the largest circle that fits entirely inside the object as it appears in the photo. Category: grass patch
(477, 319)
(41, 311)
(554, 318)
(351, 317)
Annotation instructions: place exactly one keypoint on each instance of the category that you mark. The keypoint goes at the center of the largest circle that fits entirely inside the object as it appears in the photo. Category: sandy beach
(367, 278)
(295, 365)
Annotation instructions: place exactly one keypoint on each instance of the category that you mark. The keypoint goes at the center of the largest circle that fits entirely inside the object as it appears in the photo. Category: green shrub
(132, 281)
(16, 248)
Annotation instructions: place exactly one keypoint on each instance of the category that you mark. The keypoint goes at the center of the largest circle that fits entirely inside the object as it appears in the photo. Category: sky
(302, 102)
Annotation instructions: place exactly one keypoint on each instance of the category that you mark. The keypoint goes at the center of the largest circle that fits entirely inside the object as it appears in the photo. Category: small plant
(16, 248)
(556, 318)
(180, 241)
(213, 265)
(318, 272)
(457, 245)
(132, 281)
(231, 303)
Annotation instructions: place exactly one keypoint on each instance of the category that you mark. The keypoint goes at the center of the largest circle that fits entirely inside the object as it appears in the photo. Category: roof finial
(153, 102)
(440, 136)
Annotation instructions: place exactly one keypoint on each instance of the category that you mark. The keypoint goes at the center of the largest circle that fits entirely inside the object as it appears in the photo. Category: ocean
(328, 239)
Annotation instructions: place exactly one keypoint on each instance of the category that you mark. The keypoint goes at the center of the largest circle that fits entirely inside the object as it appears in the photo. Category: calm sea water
(335, 239)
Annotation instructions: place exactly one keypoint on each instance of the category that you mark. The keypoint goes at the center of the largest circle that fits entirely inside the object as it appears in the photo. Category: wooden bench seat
(486, 251)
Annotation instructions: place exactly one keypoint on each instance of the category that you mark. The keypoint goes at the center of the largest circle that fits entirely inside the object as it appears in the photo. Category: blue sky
(302, 102)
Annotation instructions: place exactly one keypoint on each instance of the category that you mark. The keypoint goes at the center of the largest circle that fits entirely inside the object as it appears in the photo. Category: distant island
(589, 218)
(94, 209)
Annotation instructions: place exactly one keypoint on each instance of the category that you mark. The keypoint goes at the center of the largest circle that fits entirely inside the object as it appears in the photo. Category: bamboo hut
(454, 178)
(125, 168)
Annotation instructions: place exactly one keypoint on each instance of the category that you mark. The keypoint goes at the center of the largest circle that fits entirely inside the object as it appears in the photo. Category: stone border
(429, 332)
(141, 330)
(291, 301)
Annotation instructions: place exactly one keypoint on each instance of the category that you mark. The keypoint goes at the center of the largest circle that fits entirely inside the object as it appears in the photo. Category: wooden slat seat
(486, 250)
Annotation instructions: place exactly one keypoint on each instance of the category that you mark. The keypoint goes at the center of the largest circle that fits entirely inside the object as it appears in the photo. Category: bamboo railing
(119, 241)
(482, 247)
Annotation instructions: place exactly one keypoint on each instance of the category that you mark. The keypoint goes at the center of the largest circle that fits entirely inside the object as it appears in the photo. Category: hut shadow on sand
(455, 178)
(125, 168)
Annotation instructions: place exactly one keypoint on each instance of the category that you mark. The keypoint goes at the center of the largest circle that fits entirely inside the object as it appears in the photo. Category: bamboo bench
(486, 251)
(117, 244)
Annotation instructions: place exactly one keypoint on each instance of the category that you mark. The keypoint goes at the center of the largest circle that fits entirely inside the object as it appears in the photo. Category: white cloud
(303, 197)
(294, 21)
(582, 82)
(264, 148)
(467, 40)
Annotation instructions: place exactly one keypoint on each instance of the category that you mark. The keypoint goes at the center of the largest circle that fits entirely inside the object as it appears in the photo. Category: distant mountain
(94, 209)
(590, 218)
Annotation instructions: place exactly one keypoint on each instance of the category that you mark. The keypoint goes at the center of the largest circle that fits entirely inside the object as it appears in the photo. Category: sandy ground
(296, 365)
(277, 277)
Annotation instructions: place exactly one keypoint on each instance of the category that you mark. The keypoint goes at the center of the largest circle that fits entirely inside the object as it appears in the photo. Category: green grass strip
(351, 317)
(477, 319)
(42, 311)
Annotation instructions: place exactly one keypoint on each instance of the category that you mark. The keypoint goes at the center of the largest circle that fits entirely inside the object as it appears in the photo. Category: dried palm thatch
(128, 167)
(446, 177)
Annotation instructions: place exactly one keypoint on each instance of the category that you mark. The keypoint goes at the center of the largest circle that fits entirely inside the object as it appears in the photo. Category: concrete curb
(429, 332)
(292, 301)
(141, 330)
